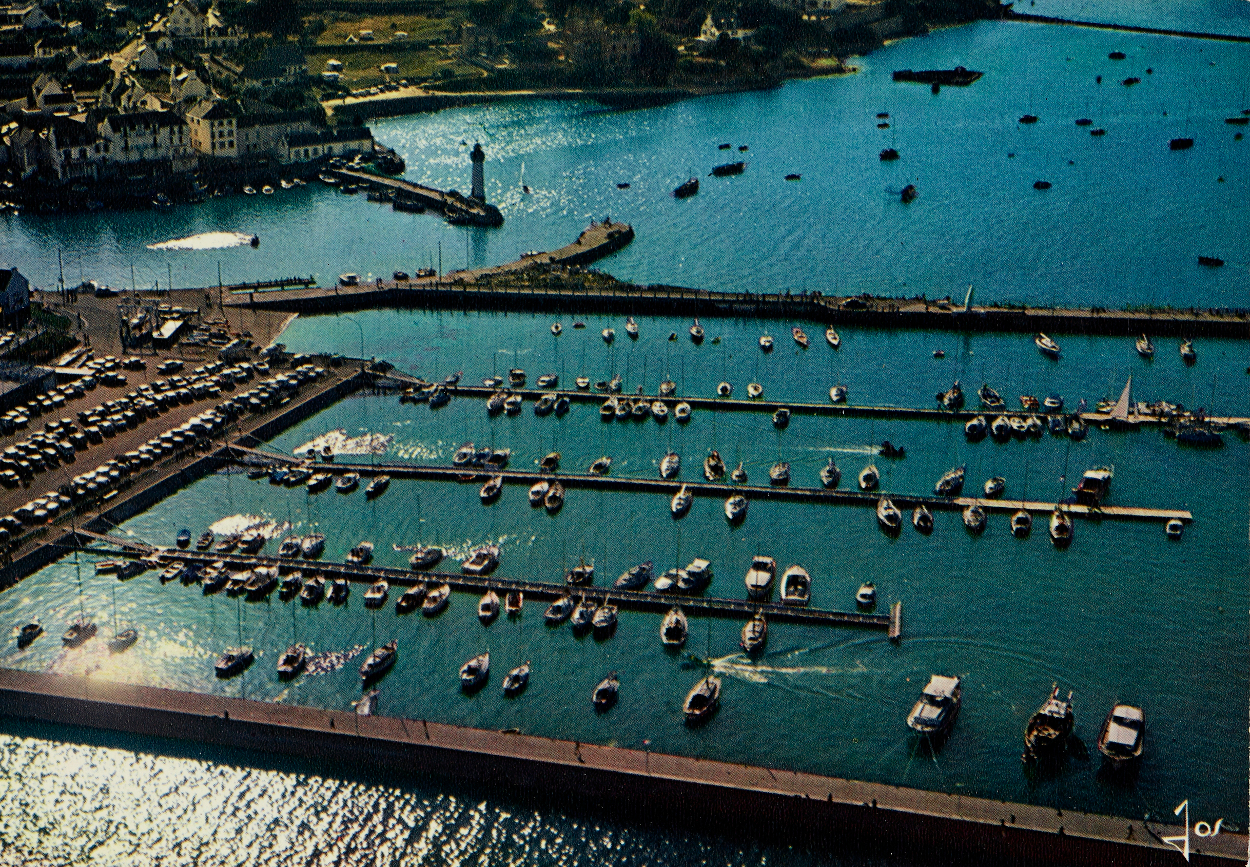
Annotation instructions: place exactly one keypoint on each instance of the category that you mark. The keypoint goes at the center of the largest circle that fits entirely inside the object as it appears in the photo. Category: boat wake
(850, 450)
(416, 451)
(242, 523)
(798, 678)
(205, 241)
(340, 443)
(331, 660)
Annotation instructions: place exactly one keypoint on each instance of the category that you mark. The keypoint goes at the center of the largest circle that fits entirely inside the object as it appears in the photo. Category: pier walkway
(457, 207)
(637, 785)
(701, 488)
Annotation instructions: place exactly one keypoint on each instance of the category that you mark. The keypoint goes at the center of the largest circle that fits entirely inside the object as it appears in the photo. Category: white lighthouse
(479, 176)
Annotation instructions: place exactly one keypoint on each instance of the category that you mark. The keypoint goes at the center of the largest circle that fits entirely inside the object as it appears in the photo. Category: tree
(657, 58)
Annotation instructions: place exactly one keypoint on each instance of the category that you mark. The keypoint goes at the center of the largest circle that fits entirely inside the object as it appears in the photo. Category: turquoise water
(1122, 615)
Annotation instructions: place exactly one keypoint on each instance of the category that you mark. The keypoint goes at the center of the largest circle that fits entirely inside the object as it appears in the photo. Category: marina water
(1122, 615)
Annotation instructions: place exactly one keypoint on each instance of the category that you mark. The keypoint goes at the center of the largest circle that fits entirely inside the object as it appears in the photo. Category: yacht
(491, 490)
(934, 714)
(631, 328)
(538, 492)
(482, 561)
(680, 504)
(29, 633)
(1046, 735)
(513, 602)
(425, 557)
(1046, 346)
(377, 487)
(951, 483)
(580, 575)
(796, 586)
(601, 465)
(1021, 524)
(379, 661)
(995, 486)
(361, 555)
(695, 577)
(755, 633)
(1174, 528)
(974, 518)
(608, 335)
(339, 591)
(554, 500)
(556, 329)
(347, 483)
(922, 519)
(375, 596)
(696, 332)
(668, 388)
(670, 579)
(488, 607)
(550, 462)
(659, 411)
(713, 467)
(781, 417)
(760, 576)
(604, 621)
(583, 616)
(866, 595)
(1189, 356)
(1060, 528)
(681, 412)
(739, 475)
(832, 336)
(292, 661)
(702, 700)
(837, 394)
(799, 337)
(779, 474)
(868, 478)
(670, 465)
(976, 428)
(736, 508)
(755, 390)
(436, 599)
(634, 577)
(312, 545)
(233, 661)
(558, 612)
(674, 628)
(766, 343)
(313, 591)
(606, 693)
(1145, 348)
(724, 389)
(888, 516)
(1120, 739)
(515, 681)
(474, 672)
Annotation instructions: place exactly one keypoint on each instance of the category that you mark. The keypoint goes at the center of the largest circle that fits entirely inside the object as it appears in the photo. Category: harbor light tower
(479, 176)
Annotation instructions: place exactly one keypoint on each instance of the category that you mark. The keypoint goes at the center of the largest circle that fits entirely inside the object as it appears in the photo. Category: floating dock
(636, 785)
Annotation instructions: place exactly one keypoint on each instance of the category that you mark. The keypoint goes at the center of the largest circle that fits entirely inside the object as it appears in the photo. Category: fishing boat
(513, 602)
(554, 501)
(581, 574)
(379, 661)
(183, 539)
(739, 475)
(681, 501)
(436, 599)
(922, 519)
(869, 478)
(1060, 528)
(888, 516)
(976, 428)
(1120, 739)
(292, 661)
(515, 681)
(702, 700)
(583, 615)
(760, 576)
(233, 661)
(837, 394)
(681, 412)
(205, 541)
(604, 621)
(482, 561)
(550, 462)
(952, 398)
(687, 189)
(263, 581)
(713, 467)
(339, 591)
(1189, 356)
(735, 508)
(990, 399)
(995, 486)
(28, 634)
(830, 475)
(796, 586)
(754, 633)
(934, 714)
(974, 518)
(410, 600)
(347, 483)
(313, 591)
(634, 577)
(781, 417)
(696, 332)
(377, 487)
(312, 545)
(608, 335)
(491, 490)
(1093, 486)
(606, 693)
(559, 611)
(674, 628)
(1046, 346)
(659, 411)
(1021, 524)
(425, 557)
(464, 455)
(779, 474)
(866, 595)
(766, 343)
(669, 580)
(375, 596)
(1047, 732)
(799, 337)
(360, 555)
(1145, 348)
(1174, 528)
(488, 607)
(832, 336)
(951, 483)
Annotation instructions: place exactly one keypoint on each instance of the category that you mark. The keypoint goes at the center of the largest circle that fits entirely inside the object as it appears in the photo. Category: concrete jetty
(458, 208)
(787, 806)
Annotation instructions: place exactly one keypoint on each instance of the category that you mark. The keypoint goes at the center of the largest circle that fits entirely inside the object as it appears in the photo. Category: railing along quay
(667, 487)
(641, 600)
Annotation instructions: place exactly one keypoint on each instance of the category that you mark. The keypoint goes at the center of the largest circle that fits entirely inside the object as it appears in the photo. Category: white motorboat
(736, 508)
(739, 475)
(951, 483)
(755, 633)
(474, 672)
(606, 693)
(682, 412)
(1000, 428)
(995, 486)
(1060, 528)
(760, 576)
(491, 490)
(554, 501)
(1021, 524)
(799, 337)
(668, 388)
(935, 713)
(488, 607)
(670, 465)
(724, 389)
(796, 586)
(674, 628)
(766, 343)
(659, 411)
(888, 515)
(313, 545)
(1188, 355)
(1120, 739)
(1046, 346)
(974, 518)
(837, 394)
(866, 596)
(515, 681)
(680, 504)
(604, 621)
(922, 519)
(695, 577)
(670, 579)
(482, 561)
(1174, 528)
(754, 390)
(976, 428)
(832, 336)
(601, 465)
(436, 600)
(781, 417)
(702, 700)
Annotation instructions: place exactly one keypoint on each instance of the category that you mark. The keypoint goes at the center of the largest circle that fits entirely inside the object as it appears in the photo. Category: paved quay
(797, 807)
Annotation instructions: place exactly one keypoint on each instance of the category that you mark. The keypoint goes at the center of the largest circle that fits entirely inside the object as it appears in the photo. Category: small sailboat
(866, 595)
(755, 633)
(631, 328)
(668, 388)
(799, 337)
(702, 700)
(837, 394)
(377, 487)
(1021, 524)
(696, 332)
(974, 518)
(766, 343)
(995, 486)
(830, 475)
(556, 329)
(379, 661)
(425, 557)
(1174, 528)
(559, 611)
(888, 516)
(976, 428)
(606, 693)
(538, 492)
(491, 490)
(832, 336)
(516, 680)
(680, 504)
(1060, 528)
(659, 411)
(713, 467)
(474, 672)
(674, 628)
(233, 661)
(781, 417)
(796, 586)
(583, 616)
(724, 389)
(1046, 346)
(739, 475)
(581, 574)
(550, 462)
(601, 465)
(375, 596)
(1145, 348)
(1188, 355)
(488, 607)
(367, 704)
(513, 603)
(736, 508)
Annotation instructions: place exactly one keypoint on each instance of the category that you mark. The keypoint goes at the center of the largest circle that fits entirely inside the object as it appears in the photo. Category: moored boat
(604, 620)
(1123, 731)
(888, 516)
(951, 483)
(205, 541)
(687, 189)
(474, 672)
(1060, 528)
(1188, 354)
(976, 428)
(868, 478)
(312, 545)
(559, 611)
(538, 492)
(781, 417)
(696, 332)
(796, 586)
(934, 714)
(488, 607)
(995, 486)
(670, 465)
(360, 555)
(1174, 528)
(436, 599)
(830, 475)
(680, 504)
(866, 595)
(554, 500)
(766, 343)
(1047, 732)
(974, 518)
(634, 577)
(779, 474)
(922, 519)
(28, 634)
(754, 633)
(1145, 348)
(482, 561)
(491, 490)
(123, 640)
(832, 336)
(837, 394)
(1046, 346)
(425, 557)
(233, 661)
(713, 467)
(347, 483)
(799, 337)
(702, 700)
(292, 661)
(581, 574)
(379, 661)
(606, 693)
(513, 603)
(760, 576)
(313, 591)
(1021, 524)
(515, 681)
(583, 615)
(735, 508)
(674, 628)
(681, 412)
(739, 475)
(375, 596)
